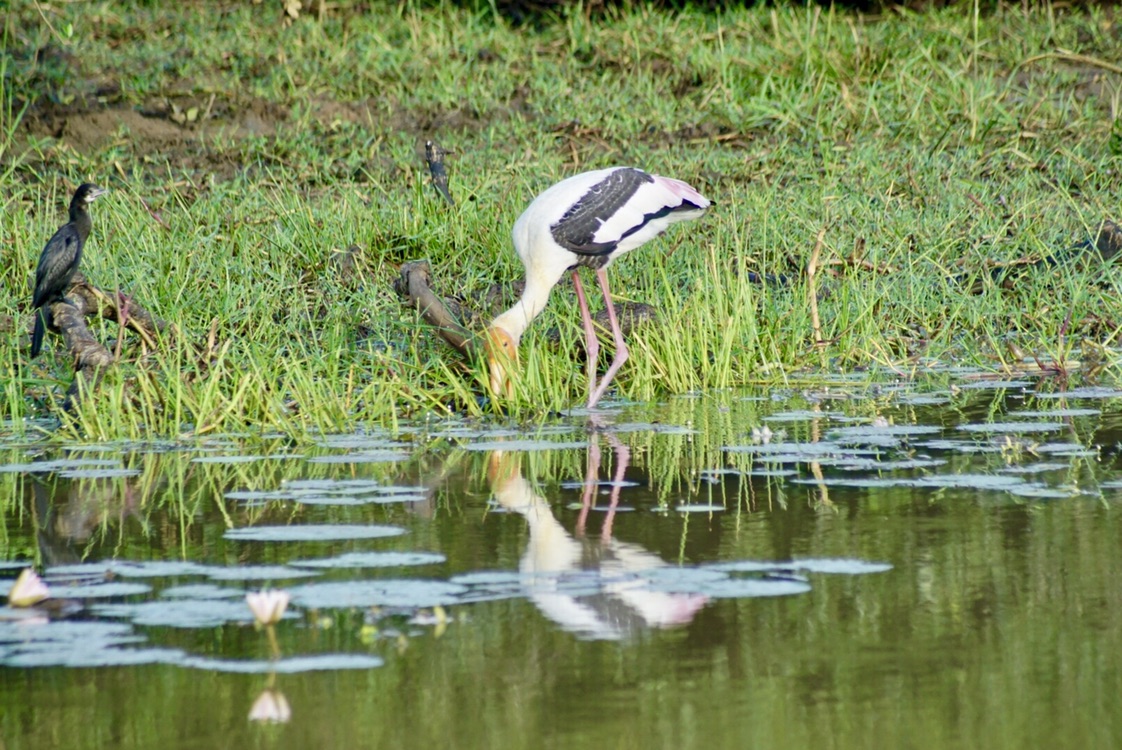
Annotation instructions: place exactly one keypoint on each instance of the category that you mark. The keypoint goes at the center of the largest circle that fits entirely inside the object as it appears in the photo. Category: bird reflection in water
(591, 586)
(71, 514)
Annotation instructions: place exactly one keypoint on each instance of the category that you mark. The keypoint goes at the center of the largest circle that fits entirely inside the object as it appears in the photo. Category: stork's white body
(590, 219)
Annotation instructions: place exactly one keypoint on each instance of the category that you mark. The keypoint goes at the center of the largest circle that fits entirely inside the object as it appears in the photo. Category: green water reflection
(996, 626)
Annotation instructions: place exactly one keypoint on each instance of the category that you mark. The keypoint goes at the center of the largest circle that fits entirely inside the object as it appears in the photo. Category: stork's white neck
(517, 319)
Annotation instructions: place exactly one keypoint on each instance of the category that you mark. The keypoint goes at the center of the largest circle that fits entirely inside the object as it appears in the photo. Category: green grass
(937, 140)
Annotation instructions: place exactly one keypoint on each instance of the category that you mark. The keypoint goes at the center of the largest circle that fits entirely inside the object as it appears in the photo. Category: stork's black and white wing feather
(605, 204)
(598, 215)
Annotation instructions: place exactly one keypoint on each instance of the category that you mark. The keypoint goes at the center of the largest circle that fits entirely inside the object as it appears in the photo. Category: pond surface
(892, 566)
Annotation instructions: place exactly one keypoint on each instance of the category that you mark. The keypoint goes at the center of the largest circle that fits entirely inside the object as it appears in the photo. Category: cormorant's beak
(94, 194)
(502, 358)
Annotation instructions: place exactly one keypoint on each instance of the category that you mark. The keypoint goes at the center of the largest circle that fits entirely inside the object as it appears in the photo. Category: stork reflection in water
(591, 586)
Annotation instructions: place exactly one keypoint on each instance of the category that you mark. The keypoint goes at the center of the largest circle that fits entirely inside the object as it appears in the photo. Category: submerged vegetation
(267, 179)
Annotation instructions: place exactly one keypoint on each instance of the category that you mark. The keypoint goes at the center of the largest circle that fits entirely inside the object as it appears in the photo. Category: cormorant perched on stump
(60, 259)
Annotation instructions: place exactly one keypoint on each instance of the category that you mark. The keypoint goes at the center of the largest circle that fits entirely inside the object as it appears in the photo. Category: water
(898, 565)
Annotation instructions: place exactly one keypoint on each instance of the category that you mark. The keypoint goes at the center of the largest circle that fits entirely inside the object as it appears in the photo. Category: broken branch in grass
(123, 310)
(415, 285)
(91, 357)
(856, 259)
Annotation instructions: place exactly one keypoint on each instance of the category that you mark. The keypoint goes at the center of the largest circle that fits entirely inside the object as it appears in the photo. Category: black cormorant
(60, 259)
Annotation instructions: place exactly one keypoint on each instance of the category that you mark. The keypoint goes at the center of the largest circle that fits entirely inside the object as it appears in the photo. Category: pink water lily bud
(268, 606)
(28, 589)
(271, 707)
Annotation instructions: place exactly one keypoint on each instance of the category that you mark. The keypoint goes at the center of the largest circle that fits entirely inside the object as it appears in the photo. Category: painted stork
(59, 259)
(588, 220)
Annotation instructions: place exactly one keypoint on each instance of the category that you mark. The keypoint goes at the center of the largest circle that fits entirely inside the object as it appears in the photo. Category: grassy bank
(240, 159)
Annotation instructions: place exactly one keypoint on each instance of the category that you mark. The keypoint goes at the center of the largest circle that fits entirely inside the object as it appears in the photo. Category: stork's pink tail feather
(683, 190)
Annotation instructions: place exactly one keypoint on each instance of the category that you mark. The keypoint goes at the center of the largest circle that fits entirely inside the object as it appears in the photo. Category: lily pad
(840, 566)
(311, 533)
(1090, 392)
(98, 473)
(361, 457)
(293, 665)
(202, 591)
(358, 441)
(256, 573)
(86, 656)
(742, 588)
(155, 568)
(99, 590)
(1054, 413)
(389, 592)
(1018, 428)
(180, 613)
(373, 560)
(525, 445)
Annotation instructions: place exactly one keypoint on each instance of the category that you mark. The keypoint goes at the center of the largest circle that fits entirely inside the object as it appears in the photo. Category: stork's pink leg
(623, 458)
(591, 483)
(591, 342)
(621, 346)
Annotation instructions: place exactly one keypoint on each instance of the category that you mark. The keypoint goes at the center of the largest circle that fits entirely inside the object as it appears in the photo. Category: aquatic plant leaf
(372, 593)
(1091, 392)
(806, 415)
(525, 445)
(359, 441)
(361, 457)
(739, 587)
(1055, 413)
(201, 591)
(180, 612)
(74, 643)
(1018, 428)
(89, 657)
(65, 464)
(257, 573)
(291, 665)
(656, 428)
(311, 533)
(840, 566)
(934, 481)
(154, 568)
(1042, 492)
(996, 385)
(924, 399)
(258, 496)
(66, 631)
(100, 590)
(373, 560)
(1038, 468)
(98, 473)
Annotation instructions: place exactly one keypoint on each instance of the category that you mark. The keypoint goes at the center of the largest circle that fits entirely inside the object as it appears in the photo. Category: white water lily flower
(271, 707)
(28, 589)
(268, 606)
